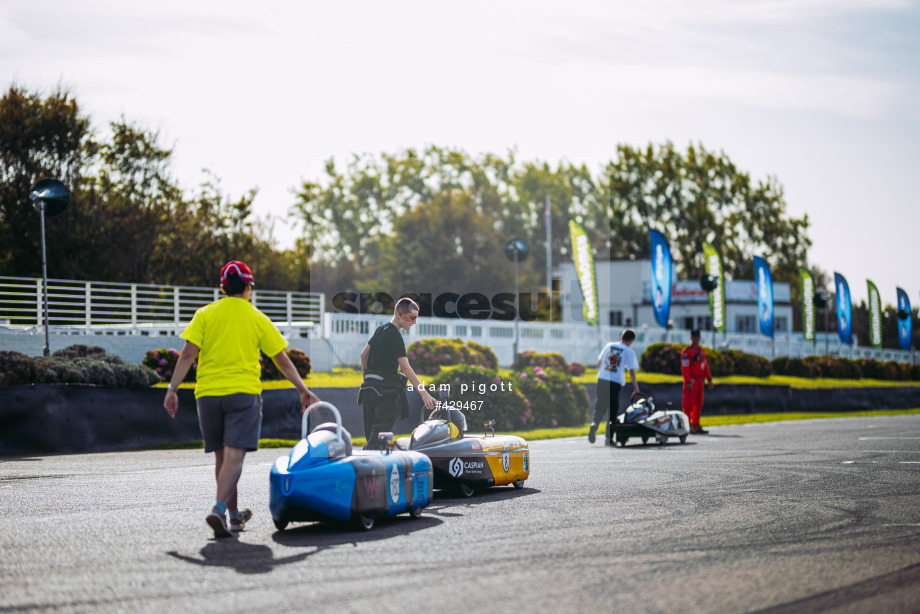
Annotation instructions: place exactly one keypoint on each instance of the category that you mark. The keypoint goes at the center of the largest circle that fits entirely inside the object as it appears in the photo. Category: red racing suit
(694, 367)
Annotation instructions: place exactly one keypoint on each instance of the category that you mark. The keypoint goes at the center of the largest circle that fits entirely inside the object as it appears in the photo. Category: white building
(625, 299)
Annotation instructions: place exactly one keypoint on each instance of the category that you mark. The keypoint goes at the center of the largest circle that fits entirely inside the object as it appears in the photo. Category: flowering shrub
(555, 399)
(163, 362)
(427, 356)
(300, 360)
(509, 408)
(576, 369)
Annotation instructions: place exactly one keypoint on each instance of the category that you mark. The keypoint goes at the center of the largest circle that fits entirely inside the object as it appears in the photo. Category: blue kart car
(324, 479)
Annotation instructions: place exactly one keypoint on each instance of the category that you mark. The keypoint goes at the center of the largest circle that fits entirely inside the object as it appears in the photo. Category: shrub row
(844, 368)
(548, 360)
(163, 363)
(76, 364)
(427, 356)
(665, 358)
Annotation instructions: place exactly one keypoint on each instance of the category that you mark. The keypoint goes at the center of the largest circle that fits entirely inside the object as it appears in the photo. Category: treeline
(128, 219)
(433, 220)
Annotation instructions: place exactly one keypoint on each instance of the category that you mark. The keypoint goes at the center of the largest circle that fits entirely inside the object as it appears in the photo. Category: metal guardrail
(135, 308)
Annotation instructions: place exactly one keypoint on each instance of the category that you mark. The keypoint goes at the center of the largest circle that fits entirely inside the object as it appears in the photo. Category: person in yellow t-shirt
(227, 336)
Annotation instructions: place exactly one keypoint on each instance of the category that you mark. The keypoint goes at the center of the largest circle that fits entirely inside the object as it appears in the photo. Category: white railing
(76, 307)
(348, 333)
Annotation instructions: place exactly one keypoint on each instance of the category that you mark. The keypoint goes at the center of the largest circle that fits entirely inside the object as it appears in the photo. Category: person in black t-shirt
(383, 392)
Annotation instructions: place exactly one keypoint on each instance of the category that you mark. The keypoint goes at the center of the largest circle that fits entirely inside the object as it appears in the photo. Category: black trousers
(608, 400)
(380, 413)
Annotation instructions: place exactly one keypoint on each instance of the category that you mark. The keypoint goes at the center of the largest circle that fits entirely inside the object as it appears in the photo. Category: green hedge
(427, 356)
(665, 358)
(844, 368)
(76, 364)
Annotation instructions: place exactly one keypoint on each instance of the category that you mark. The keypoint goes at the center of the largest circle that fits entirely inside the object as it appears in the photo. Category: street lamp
(820, 301)
(517, 251)
(49, 197)
(709, 283)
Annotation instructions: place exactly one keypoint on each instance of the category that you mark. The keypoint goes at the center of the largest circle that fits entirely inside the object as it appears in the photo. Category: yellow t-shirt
(230, 332)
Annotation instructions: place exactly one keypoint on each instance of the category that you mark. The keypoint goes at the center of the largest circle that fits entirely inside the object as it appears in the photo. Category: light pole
(820, 301)
(709, 283)
(516, 250)
(49, 197)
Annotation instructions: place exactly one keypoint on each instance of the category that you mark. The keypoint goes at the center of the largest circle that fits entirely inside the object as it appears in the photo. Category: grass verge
(582, 431)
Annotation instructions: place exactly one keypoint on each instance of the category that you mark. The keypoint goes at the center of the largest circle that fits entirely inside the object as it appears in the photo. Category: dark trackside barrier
(68, 418)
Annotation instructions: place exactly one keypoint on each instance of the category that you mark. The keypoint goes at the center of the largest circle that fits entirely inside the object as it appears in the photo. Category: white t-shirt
(616, 359)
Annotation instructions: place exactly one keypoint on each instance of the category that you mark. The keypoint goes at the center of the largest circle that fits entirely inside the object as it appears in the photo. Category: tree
(39, 138)
(702, 196)
(128, 219)
(443, 246)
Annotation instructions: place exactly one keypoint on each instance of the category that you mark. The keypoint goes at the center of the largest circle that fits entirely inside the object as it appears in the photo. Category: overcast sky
(822, 94)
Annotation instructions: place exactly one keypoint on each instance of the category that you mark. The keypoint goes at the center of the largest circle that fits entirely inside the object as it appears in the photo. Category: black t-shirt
(387, 347)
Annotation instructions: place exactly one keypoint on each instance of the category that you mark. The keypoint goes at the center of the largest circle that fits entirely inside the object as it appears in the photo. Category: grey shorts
(233, 420)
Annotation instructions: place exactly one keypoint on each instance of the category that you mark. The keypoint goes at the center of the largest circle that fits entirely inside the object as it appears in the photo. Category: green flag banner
(717, 296)
(584, 268)
(875, 316)
(808, 303)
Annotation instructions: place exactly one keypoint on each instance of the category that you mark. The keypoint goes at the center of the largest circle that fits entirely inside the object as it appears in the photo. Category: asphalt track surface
(819, 515)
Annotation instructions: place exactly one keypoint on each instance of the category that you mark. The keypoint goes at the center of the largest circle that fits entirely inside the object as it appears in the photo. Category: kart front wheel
(466, 491)
(416, 512)
(519, 484)
(281, 525)
(644, 439)
(683, 439)
(364, 522)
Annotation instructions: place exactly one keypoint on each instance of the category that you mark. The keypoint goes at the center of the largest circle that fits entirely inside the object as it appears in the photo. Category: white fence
(77, 307)
(348, 333)
(103, 308)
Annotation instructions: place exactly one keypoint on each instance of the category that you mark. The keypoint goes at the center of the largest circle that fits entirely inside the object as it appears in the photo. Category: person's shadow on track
(242, 557)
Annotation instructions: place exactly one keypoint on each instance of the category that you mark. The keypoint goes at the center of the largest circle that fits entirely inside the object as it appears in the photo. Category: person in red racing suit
(695, 368)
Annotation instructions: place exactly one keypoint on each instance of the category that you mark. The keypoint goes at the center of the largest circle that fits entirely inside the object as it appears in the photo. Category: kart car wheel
(466, 491)
(416, 512)
(364, 522)
(683, 439)
(622, 442)
(519, 484)
(644, 439)
(281, 525)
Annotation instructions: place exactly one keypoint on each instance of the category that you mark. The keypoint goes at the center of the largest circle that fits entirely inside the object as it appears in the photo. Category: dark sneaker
(219, 523)
(698, 430)
(592, 433)
(237, 524)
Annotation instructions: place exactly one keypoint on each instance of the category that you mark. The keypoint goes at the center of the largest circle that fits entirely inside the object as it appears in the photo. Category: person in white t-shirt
(614, 360)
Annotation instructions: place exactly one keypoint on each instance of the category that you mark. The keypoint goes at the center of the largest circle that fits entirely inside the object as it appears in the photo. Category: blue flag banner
(764, 295)
(905, 332)
(661, 277)
(844, 310)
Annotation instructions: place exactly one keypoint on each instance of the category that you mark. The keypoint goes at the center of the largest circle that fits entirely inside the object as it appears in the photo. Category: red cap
(235, 267)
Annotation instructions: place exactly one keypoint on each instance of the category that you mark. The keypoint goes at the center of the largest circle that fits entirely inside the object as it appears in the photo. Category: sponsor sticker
(526, 461)
(455, 468)
(506, 457)
(394, 484)
(371, 487)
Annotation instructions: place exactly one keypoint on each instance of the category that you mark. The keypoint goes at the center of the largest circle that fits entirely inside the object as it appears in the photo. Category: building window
(745, 324)
(616, 318)
(780, 324)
